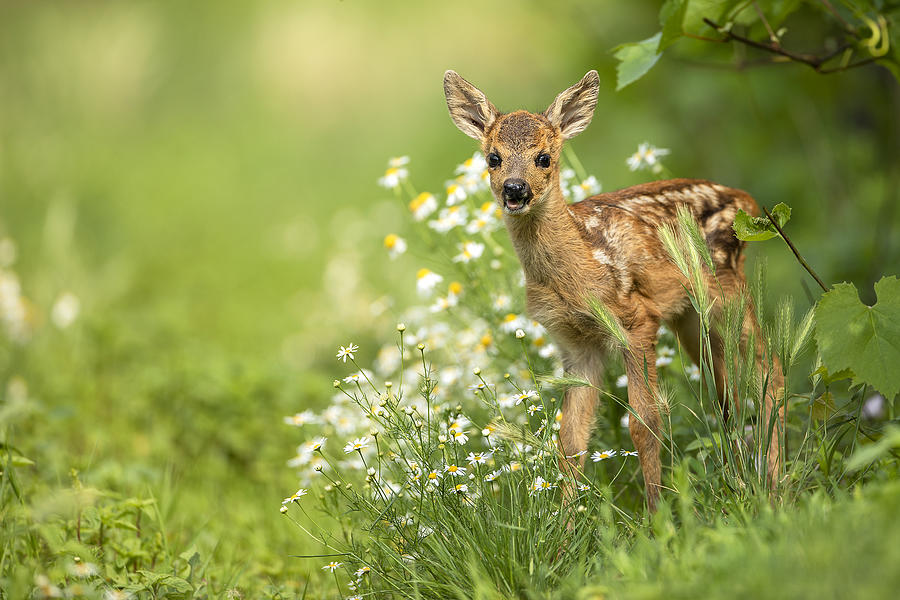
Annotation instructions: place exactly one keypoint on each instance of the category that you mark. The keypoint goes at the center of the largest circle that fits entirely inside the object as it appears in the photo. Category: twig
(794, 249)
(772, 37)
(813, 60)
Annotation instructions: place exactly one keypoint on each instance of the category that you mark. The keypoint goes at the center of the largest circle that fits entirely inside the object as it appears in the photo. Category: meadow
(262, 332)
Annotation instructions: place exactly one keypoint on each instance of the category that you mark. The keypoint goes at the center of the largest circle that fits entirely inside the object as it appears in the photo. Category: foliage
(861, 338)
(855, 33)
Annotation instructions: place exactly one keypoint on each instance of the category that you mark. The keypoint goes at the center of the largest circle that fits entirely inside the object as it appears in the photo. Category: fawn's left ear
(573, 109)
(469, 108)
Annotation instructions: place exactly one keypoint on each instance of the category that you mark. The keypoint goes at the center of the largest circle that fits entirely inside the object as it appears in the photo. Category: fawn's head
(521, 148)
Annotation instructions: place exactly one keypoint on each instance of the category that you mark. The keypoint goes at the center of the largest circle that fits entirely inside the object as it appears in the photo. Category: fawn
(606, 247)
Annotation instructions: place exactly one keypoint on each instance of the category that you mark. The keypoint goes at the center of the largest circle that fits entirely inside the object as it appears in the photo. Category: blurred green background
(201, 175)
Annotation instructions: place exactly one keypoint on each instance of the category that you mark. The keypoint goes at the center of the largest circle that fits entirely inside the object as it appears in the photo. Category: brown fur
(606, 247)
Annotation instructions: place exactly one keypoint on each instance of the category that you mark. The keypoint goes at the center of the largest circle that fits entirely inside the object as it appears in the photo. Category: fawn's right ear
(469, 108)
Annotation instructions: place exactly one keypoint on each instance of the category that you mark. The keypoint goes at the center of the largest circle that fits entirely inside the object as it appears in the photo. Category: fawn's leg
(687, 327)
(645, 425)
(578, 414)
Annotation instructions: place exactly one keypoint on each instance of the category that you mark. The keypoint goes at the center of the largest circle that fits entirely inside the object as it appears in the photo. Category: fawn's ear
(469, 108)
(573, 109)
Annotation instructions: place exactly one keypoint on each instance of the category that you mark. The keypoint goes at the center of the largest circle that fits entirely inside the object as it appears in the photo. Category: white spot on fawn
(601, 257)
(591, 222)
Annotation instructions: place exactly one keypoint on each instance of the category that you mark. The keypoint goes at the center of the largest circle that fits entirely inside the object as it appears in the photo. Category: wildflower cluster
(408, 443)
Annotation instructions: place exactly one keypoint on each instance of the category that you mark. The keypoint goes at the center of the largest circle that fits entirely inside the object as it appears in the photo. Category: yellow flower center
(422, 273)
(419, 200)
(486, 339)
(390, 240)
(455, 288)
(392, 171)
(452, 468)
(451, 189)
(509, 318)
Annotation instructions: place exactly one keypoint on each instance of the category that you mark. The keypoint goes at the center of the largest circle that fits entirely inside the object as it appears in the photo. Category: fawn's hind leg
(645, 425)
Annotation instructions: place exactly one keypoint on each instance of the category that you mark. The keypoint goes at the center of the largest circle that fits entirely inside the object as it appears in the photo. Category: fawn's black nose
(516, 193)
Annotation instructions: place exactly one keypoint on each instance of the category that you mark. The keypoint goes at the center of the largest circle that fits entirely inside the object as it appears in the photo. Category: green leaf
(829, 378)
(865, 339)
(697, 10)
(872, 452)
(671, 19)
(635, 60)
(758, 229)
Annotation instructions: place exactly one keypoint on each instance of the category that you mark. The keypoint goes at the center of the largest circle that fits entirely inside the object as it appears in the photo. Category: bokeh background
(201, 176)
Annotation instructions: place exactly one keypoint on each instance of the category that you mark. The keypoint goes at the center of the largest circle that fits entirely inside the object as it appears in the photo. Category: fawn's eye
(542, 160)
(493, 160)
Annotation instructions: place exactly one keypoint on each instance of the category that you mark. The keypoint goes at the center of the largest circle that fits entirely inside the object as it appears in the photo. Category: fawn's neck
(546, 240)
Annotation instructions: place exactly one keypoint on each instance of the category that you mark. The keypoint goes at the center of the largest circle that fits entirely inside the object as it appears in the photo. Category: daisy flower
(478, 458)
(540, 484)
(83, 569)
(525, 396)
(345, 353)
(456, 193)
(646, 157)
(422, 206)
(585, 189)
(628, 453)
(426, 281)
(460, 488)
(357, 444)
(577, 454)
(395, 245)
(455, 471)
(295, 496)
(460, 437)
(472, 167)
(448, 218)
(533, 408)
(598, 456)
(301, 419)
(392, 177)
(469, 251)
(664, 356)
(362, 571)
(433, 477)
(512, 321)
(332, 566)
(693, 373)
(492, 475)
(583, 487)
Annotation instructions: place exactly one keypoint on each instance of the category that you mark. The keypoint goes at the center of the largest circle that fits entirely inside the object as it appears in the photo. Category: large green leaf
(757, 229)
(864, 339)
(635, 60)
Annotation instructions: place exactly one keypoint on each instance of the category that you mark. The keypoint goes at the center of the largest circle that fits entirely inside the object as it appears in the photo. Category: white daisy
(357, 444)
(345, 353)
(395, 245)
(422, 206)
(598, 456)
(426, 281)
(646, 157)
(469, 251)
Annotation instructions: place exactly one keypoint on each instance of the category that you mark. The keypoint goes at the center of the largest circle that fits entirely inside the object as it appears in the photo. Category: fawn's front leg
(644, 425)
(578, 414)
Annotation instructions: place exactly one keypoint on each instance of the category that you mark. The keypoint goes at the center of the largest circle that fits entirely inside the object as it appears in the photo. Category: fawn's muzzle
(516, 194)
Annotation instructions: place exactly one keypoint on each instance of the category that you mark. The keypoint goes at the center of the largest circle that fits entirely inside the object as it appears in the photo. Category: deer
(607, 247)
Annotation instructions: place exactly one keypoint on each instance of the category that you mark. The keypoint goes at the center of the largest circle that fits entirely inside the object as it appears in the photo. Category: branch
(816, 61)
(794, 249)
